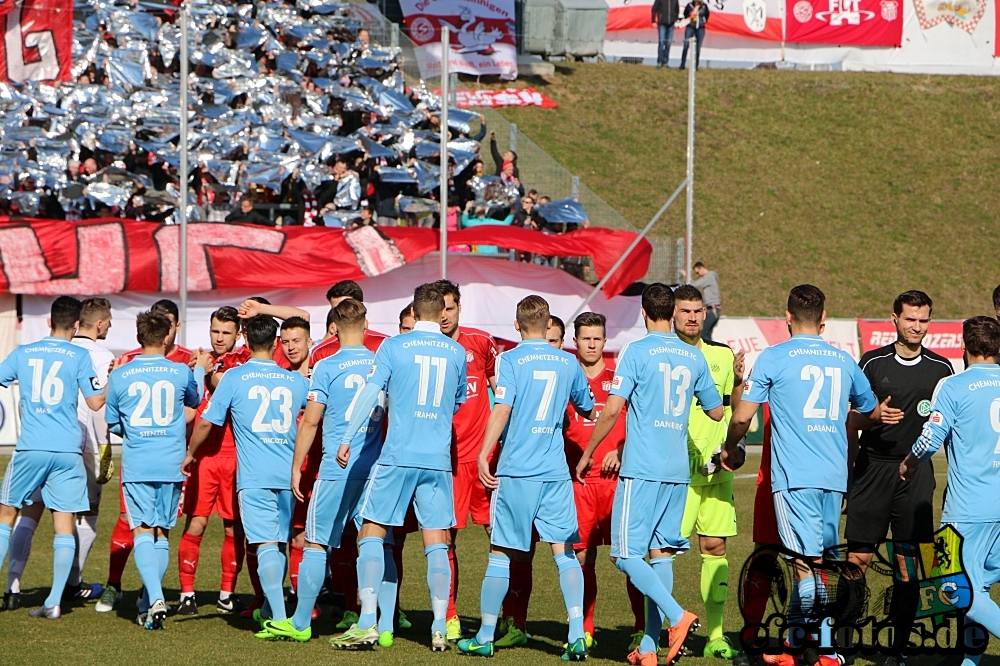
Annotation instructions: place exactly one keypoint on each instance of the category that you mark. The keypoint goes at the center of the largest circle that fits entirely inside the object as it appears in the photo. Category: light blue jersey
(537, 382)
(424, 376)
(658, 375)
(809, 385)
(965, 411)
(146, 401)
(336, 383)
(50, 372)
(265, 401)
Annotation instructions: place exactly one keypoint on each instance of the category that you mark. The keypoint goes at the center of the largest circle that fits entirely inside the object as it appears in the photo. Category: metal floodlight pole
(183, 174)
(621, 260)
(689, 233)
(443, 214)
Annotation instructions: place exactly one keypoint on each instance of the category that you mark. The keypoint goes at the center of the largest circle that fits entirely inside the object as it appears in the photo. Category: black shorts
(879, 499)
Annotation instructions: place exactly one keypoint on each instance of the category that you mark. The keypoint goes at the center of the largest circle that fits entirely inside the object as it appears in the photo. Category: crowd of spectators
(295, 118)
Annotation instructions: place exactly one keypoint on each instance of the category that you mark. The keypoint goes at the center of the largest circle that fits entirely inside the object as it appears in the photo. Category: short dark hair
(261, 332)
(350, 314)
(913, 298)
(806, 304)
(347, 288)
(93, 309)
(996, 298)
(227, 313)
(329, 318)
(533, 314)
(152, 328)
(447, 287)
(406, 312)
(65, 313)
(688, 292)
(295, 322)
(658, 301)
(167, 307)
(556, 322)
(428, 301)
(982, 336)
(589, 319)
(698, 264)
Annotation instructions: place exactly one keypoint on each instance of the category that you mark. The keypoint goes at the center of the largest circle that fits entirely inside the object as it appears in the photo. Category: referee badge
(924, 407)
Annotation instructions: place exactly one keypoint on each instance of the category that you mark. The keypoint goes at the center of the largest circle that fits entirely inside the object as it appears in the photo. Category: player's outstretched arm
(95, 402)
(494, 428)
(250, 308)
(738, 427)
(304, 439)
(362, 411)
(605, 423)
(198, 437)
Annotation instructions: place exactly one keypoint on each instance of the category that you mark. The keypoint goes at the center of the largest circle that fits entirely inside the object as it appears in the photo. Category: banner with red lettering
(752, 335)
(37, 40)
(760, 19)
(509, 97)
(943, 337)
(110, 256)
(483, 38)
(845, 22)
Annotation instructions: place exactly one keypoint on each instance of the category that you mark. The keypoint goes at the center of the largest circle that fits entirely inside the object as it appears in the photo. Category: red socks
(232, 562)
(515, 604)
(589, 596)
(348, 565)
(121, 548)
(187, 561)
(638, 603)
(294, 560)
(453, 593)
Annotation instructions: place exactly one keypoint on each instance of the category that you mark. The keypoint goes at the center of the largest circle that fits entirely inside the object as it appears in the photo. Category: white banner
(482, 36)
(755, 334)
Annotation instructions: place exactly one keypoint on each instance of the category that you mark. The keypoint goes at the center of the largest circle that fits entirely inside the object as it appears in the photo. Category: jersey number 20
(160, 396)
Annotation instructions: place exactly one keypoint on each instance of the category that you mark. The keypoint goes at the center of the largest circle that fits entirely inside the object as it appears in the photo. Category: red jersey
(330, 346)
(178, 355)
(241, 355)
(578, 429)
(469, 422)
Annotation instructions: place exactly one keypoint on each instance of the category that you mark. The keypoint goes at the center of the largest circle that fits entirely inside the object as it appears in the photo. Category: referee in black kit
(903, 376)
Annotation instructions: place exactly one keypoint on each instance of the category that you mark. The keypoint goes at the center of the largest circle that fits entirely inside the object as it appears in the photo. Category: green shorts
(710, 511)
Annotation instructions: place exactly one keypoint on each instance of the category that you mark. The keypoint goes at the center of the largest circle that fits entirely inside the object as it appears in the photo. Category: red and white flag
(845, 22)
(37, 40)
(760, 19)
(482, 40)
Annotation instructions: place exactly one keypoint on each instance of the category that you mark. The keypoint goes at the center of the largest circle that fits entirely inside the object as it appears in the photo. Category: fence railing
(542, 172)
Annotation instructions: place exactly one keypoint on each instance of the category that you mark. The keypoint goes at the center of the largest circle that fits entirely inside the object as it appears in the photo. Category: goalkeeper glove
(107, 465)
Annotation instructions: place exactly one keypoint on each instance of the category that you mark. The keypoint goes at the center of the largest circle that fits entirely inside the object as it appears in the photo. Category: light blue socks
(494, 590)
(387, 592)
(63, 556)
(312, 570)
(371, 570)
(438, 583)
(271, 571)
(571, 583)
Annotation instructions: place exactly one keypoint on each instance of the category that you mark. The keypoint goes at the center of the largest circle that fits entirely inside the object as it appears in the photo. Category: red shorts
(211, 488)
(765, 525)
(593, 512)
(470, 496)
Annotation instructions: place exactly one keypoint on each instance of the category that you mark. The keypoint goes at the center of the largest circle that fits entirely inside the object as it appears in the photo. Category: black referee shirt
(911, 383)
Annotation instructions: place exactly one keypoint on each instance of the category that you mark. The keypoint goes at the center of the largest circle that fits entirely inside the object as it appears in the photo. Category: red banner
(38, 40)
(943, 337)
(509, 97)
(845, 22)
(111, 255)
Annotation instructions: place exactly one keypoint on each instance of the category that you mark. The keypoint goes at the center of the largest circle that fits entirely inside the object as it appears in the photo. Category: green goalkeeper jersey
(705, 435)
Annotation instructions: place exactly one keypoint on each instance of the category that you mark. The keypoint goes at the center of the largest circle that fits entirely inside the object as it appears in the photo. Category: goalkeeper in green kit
(710, 509)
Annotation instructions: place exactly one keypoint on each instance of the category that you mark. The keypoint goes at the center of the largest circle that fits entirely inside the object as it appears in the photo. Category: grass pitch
(83, 636)
(864, 184)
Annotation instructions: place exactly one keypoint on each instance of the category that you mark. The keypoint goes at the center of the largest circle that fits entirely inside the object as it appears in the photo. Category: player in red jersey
(595, 497)
(121, 537)
(330, 344)
(211, 488)
(468, 428)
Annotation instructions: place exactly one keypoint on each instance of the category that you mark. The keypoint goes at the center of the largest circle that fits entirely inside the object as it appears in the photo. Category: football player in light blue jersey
(423, 374)
(264, 401)
(657, 376)
(146, 406)
(810, 386)
(336, 382)
(965, 412)
(532, 487)
(51, 373)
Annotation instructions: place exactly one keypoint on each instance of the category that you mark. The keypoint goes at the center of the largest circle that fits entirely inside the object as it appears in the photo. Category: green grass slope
(863, 184)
